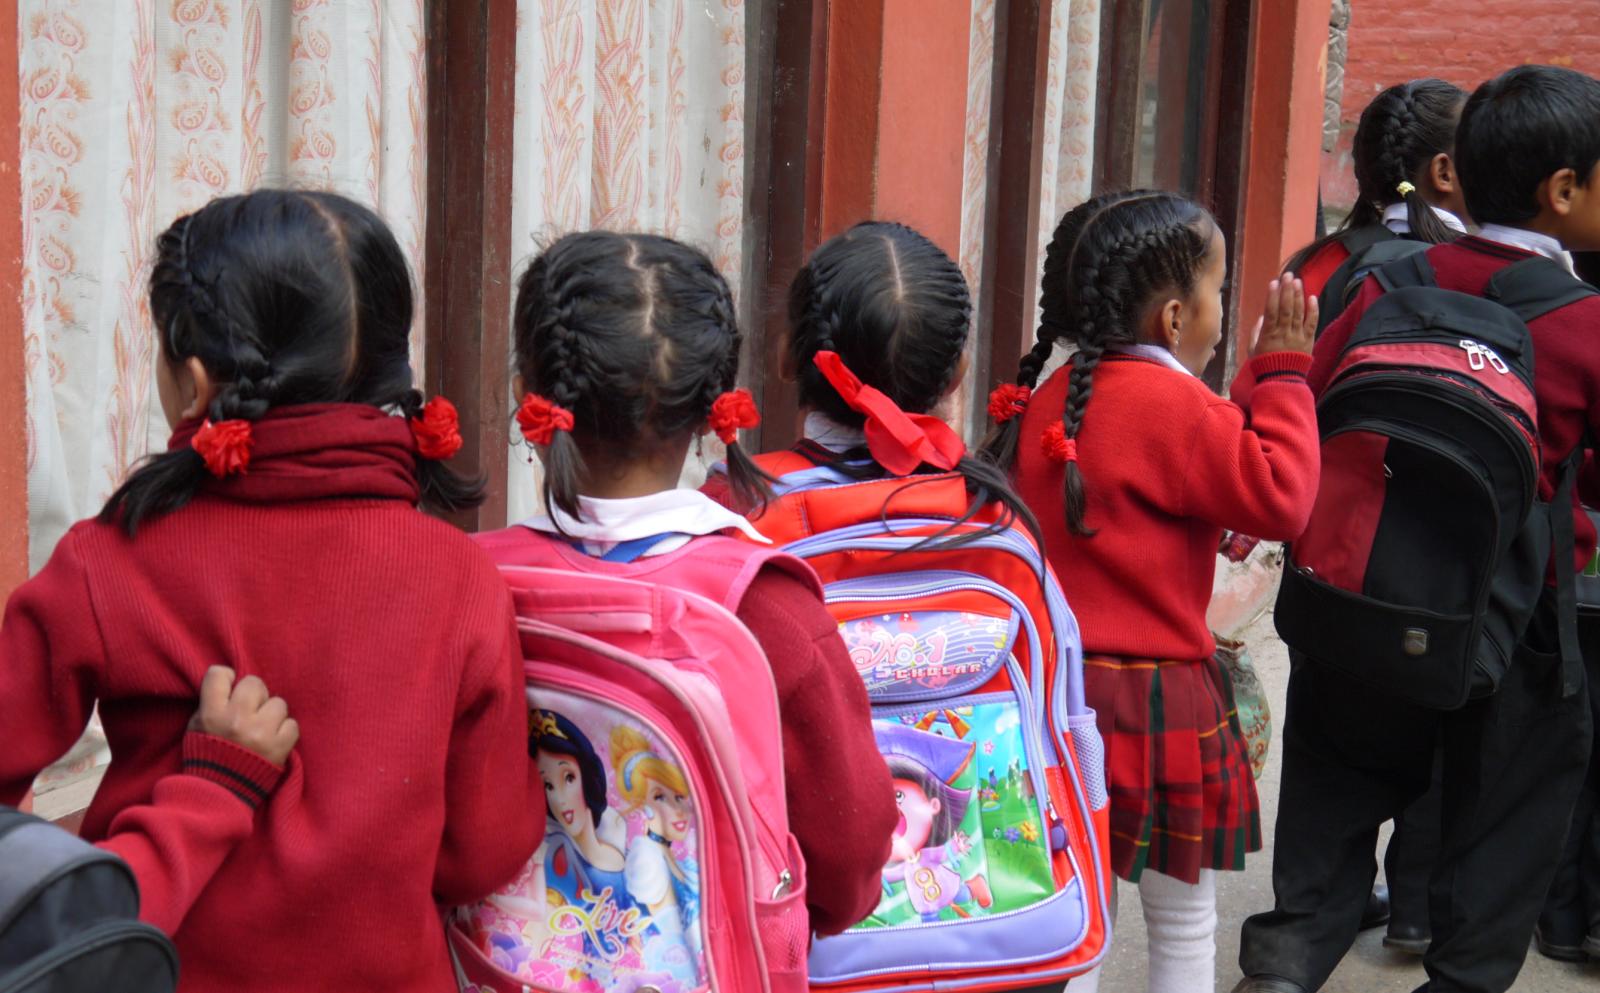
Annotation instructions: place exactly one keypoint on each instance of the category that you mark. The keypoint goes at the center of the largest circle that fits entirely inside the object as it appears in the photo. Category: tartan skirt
(1177, 768)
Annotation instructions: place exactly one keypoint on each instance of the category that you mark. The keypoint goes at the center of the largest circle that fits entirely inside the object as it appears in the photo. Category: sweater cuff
(240, 771)
(1274, 364)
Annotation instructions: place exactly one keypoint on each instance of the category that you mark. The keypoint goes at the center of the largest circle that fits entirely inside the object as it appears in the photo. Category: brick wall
(1464, 41)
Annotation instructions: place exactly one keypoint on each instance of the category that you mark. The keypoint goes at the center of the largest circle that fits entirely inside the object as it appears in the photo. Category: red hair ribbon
(731, 411)
(1007, 401)
(437, 430)
(1057, 446)
(898, 441)
(540, 419)
(224, 445)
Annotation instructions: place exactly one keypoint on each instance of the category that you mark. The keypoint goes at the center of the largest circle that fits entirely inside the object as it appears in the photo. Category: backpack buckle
(1414, 642)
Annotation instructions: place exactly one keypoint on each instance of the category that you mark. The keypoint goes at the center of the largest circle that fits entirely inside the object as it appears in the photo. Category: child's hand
(245, 714)
(1288, 321)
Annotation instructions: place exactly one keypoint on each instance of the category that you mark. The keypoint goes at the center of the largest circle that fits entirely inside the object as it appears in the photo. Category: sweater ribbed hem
(240, 771)
(1277, 362)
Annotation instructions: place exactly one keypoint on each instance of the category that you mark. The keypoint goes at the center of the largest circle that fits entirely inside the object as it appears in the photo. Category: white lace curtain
(135, 111)
(629, 116)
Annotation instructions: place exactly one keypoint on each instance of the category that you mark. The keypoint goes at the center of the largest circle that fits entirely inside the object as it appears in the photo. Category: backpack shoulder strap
(1535, 287)
(1412, 269)
(1361, 239)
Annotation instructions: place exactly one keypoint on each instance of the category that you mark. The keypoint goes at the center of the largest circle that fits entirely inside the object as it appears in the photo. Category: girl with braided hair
(1407, 187)
(1134, 468)
(279, 533)
(627, 351)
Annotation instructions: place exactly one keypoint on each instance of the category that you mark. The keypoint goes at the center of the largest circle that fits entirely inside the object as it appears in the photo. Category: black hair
(1519, 129)
(560, 736)
(953, 802)
(897, 310)
(637, 336)
(1107, 261)
(1398, 135)
(286, 297)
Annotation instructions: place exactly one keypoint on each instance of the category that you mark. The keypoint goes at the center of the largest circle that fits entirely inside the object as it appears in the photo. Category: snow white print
(610, 901)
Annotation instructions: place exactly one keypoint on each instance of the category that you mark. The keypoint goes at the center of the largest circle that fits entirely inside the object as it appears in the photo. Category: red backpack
(1000, 872)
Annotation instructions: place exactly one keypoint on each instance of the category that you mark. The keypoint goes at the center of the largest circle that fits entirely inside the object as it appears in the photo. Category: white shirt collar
(1155, 352)
(832, 435)
(674, 512)
(1528, 241)
(1396, 217)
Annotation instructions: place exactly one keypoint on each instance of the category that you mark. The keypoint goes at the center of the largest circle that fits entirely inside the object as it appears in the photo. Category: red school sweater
(841, 800)
(390, 636)
(1167, 466)
(1566, 364)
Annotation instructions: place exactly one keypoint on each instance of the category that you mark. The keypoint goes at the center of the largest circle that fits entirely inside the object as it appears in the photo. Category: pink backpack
(668, 864)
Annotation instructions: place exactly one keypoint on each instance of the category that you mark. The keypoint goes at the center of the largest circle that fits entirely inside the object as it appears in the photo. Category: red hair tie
(1057, 446)
(437, 430)
(1007, 401)
(898, 441)
(224, 445)
(540, 419)
(731, 411)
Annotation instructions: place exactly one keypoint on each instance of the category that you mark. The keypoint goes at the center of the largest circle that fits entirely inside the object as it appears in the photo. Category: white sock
(1181, 921)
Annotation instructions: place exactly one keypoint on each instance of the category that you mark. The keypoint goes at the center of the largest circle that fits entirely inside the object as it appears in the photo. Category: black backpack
(1371, 248)
(1427, 549)
(69, 917)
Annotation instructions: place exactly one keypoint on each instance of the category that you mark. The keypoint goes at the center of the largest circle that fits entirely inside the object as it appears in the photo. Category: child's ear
(1442, 174)
(197, 379)
(1555, 194)
(519, 389)
(959, 378)
(1168, 321)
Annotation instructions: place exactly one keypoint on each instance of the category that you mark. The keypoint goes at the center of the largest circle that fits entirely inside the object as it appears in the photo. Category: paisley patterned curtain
(629, 116)
(135, 111)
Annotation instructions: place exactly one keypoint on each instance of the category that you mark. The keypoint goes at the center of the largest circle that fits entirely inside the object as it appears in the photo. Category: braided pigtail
(1125, 253)
(559, 358)
(1399, 134)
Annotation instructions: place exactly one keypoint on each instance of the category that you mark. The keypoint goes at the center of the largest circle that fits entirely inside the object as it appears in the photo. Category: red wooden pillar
(13, 400)
(868, 122)
(1288, 59)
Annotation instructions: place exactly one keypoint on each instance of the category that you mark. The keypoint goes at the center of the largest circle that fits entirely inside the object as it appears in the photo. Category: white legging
(1181, 923)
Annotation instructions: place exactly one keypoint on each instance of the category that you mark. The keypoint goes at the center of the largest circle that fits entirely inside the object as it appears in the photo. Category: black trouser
(1572, 910)
(1512, 764)
(1412, 851)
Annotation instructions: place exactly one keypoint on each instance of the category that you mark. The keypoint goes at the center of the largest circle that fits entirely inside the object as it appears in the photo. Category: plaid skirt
(1177, 767)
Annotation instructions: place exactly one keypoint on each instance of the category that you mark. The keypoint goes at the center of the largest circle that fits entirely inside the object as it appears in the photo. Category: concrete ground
(1369, 967)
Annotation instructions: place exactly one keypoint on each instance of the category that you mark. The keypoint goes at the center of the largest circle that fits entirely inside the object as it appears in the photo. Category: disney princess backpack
(667, 865)
(999, 869)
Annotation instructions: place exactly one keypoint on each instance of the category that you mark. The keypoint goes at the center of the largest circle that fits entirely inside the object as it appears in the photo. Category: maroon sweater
(1566, 373)
(841, 800)
(1167, 465)
(390, 636)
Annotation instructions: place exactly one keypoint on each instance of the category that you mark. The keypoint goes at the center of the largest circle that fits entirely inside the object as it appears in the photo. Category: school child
(1407, 192)
(279, 532)
(627, 349)
(1134, 468)
(1569, 925)
(997, 875)
(1528, 159)
(1406, 187)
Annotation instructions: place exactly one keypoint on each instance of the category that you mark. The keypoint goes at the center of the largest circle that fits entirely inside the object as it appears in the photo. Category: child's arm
(233, 757)
(494, 799)
(1254, 464)
(841, 799)
(51, 658)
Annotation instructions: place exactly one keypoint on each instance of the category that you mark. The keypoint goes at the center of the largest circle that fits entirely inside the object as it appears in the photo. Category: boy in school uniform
(1528, 157)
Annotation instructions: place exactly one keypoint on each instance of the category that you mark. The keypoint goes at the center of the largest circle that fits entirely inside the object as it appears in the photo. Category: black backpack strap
(1535, 287)
(1360, 239)
(1411, 270)
(1565, 543)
